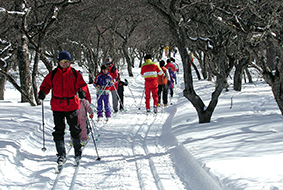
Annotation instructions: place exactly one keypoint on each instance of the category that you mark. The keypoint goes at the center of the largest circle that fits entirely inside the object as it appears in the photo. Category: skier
(173, 61)
(113, 71)
(150, 70)
(103, 81)
(65, 82)
(162, 84)
(120, 90)
(172, 70)
(82, 117)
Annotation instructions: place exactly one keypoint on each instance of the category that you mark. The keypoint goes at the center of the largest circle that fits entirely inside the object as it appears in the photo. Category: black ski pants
(59, 121)
(162, 91)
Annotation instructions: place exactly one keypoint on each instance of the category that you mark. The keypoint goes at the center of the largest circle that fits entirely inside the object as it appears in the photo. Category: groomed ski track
(139, 148)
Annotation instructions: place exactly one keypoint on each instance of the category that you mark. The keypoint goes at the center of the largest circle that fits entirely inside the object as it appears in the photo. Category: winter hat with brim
(64, 55)
(108, 60)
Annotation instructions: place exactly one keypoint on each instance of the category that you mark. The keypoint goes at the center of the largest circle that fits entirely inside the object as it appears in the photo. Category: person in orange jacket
(150, 70)
(162, 81)
(65, 82)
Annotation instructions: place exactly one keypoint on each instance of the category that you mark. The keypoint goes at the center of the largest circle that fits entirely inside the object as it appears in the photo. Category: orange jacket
(163, 78)
(150, 70)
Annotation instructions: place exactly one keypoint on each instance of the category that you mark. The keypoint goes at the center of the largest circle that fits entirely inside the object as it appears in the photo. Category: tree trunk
(238, 75)
(249, 75)
(34, 74)
(3, 79)
(128, 60)
(22, 57)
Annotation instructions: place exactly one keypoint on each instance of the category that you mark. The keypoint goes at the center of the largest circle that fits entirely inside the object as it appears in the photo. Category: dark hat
(104, 67)
(147, 56)
(162, 63)
(64, 55)
(108, 60)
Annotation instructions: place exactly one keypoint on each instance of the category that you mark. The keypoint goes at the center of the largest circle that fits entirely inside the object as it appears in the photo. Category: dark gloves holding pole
(126, 82)
(41, 95)
(81, 93)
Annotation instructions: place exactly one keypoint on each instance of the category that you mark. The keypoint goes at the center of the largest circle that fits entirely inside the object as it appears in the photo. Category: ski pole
(141, 98)
(132, 94)
(88, 123)
(98, 158)
(95, 130)
(43, 148)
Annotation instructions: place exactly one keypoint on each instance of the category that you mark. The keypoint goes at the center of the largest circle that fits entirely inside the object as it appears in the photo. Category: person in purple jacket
(103, 81)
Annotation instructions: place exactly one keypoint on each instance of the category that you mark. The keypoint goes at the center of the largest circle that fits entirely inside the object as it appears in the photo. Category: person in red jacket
(113, 72)
(65, 82)
(150, 70)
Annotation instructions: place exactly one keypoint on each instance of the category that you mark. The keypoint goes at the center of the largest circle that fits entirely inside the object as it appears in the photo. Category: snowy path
(133, 156)
(134, 151)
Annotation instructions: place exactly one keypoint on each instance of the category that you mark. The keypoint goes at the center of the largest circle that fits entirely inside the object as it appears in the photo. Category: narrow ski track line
(144, 161)
(57, 181)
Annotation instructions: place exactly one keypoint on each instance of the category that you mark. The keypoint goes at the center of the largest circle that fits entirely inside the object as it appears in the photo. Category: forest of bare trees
(225, 36)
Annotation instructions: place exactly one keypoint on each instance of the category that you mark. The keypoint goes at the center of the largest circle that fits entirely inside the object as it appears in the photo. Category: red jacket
(171, 66)
(65, 86)
(150, 70)
(113, 72)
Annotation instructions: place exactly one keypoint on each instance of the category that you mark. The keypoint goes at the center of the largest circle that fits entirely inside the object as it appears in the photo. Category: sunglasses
(64, 61)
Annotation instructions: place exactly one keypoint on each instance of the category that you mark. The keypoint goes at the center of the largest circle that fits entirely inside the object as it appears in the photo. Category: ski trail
(58, 181)
(73, 182)
(145, 142)
(139, 152)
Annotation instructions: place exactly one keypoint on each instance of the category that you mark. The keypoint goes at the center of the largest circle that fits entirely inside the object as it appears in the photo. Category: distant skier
(150, 70)
(172, 72)
(103, 81)
(113, 72)
(120, 91)
(163, 81)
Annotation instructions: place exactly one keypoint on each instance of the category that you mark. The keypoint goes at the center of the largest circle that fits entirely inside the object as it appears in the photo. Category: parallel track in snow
(144, 138)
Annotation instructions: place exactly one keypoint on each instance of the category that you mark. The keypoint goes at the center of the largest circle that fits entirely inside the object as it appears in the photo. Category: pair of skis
(76, 162)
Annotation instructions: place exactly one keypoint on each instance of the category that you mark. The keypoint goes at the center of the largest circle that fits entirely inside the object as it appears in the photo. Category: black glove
(126, 82)
(81, 94)
(41, 95)
(168, 82)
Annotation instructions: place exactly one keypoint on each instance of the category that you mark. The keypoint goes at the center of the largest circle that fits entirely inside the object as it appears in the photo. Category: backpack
(172, 75)
(55, 70)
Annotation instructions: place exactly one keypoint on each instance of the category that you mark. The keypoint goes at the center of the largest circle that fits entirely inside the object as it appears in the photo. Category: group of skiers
(158, 80)
(71, 97)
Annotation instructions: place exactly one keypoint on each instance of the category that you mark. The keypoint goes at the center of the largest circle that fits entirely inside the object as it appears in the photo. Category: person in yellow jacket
(162, 81)
(150, 70)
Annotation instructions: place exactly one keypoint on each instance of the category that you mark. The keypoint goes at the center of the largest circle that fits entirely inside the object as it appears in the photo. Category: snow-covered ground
(241, 148)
